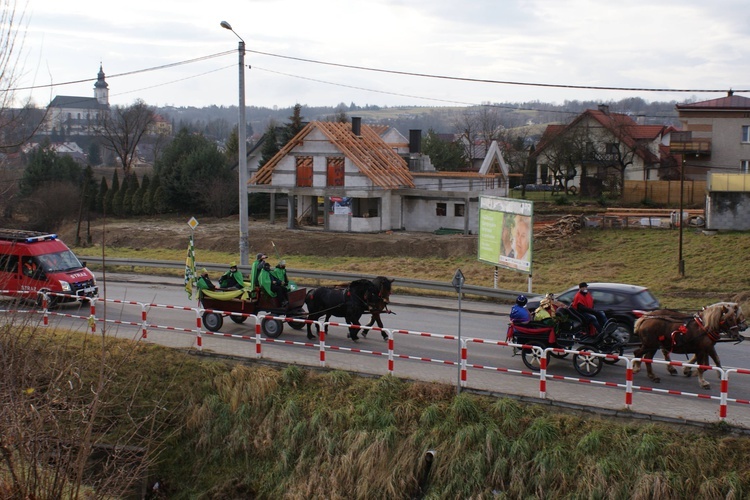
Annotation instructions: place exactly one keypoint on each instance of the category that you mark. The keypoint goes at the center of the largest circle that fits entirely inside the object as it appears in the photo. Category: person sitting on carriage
(583, 302)
(232, 278)
(272, 285)
(204, 282)
(545, 313)
(519, 313)
(280, 272)
(260, 259)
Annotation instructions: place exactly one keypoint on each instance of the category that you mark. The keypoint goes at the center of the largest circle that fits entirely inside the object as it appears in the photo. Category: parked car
(617, 300)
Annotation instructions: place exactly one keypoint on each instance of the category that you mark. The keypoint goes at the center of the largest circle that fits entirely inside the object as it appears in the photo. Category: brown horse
(681, 333)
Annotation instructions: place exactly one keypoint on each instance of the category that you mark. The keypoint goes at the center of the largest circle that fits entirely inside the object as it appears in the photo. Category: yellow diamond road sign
(193, 223)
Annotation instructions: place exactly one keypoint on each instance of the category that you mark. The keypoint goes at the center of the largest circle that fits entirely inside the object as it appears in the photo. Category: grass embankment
(257, 432)
(716, 267)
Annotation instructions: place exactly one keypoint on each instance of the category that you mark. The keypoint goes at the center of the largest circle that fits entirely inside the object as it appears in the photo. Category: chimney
(604, 108)
(357, 125)
(415, 141)
(640, 119)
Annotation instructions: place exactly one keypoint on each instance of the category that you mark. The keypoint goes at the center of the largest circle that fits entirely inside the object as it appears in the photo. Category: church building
(74, 115)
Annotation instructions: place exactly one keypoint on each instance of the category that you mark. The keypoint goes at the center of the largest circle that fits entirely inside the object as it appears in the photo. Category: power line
(497, 82)
(127, 73)
(388, 71)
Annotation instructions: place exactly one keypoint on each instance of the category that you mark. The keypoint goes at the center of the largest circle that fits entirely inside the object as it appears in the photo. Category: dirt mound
(222, 235)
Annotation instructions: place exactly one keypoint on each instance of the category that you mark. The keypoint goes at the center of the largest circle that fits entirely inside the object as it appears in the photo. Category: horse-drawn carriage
(572, 333)
(223, 303)
(349, 301)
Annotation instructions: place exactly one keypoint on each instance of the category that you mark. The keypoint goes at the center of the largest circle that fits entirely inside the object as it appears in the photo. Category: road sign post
(458, 283)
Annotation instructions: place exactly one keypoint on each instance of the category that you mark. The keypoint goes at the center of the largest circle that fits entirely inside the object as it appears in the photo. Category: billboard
(505, 232)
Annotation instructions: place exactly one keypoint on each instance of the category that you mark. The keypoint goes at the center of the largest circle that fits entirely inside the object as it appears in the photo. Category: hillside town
(351, 174)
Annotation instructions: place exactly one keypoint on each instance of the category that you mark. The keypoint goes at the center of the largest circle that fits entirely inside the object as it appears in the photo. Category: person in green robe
(232, 278)
(260, 259)
(271, 284)
(204, 282)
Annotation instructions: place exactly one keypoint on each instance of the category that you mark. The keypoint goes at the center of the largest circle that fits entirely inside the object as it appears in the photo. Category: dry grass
(259, 432)
(715, 266)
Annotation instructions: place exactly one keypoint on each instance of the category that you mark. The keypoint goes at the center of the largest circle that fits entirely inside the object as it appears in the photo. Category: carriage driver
(583, 302)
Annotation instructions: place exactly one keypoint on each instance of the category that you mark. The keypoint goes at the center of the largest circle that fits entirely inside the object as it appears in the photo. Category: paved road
(495, 370)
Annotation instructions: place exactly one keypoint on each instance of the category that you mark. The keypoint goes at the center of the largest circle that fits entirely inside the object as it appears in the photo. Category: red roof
(727, 102)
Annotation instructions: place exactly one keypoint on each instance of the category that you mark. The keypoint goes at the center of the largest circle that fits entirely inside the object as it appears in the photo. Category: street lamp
(681, 219)
(242, 137)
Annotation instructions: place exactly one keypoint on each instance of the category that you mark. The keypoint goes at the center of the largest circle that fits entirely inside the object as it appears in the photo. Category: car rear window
(645, 300)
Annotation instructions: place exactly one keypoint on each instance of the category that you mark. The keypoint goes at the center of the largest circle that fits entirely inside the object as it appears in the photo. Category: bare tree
(564, 153)
(467, 126)
(490, 125)
(620, 150)
(71, 427)
(18, 120)
(123, 128)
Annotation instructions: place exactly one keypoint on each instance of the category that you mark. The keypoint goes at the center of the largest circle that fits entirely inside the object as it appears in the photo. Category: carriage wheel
(272, 327)
(297, 325)
(238, 319)
(586, 365)
(531, 357)
(619, 351)
(559, 355)
(212, 321)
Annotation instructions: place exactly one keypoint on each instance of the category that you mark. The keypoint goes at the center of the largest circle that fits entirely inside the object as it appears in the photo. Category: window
(335, 171)
(746, 133)
(304, 168)
(441, 210)
(458, 210)
(745, 166)
(612, 148)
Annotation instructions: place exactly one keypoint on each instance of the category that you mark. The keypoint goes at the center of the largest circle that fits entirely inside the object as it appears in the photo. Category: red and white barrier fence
(463, 364)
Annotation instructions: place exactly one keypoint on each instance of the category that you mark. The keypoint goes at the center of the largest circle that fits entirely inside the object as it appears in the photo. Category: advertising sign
(506, 232)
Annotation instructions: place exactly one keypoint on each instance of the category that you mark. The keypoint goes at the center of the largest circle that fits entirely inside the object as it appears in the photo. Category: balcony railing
(700, 147)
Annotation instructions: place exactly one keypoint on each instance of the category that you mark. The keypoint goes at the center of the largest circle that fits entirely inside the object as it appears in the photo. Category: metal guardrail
(319, 277)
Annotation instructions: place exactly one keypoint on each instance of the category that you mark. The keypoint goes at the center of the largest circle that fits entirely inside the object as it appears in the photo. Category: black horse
(359, 297)
(384, 285)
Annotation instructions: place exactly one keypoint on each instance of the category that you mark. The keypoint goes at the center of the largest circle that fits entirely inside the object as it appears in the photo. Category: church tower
(101, 88)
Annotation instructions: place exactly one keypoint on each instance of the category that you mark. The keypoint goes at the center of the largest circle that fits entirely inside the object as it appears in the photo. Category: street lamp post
(242, 138)
(681, 219)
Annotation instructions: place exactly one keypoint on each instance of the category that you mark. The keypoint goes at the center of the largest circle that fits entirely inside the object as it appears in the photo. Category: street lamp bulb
(226, 25)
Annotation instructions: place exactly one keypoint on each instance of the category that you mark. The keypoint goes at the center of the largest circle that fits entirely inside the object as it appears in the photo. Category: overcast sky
(666, 44)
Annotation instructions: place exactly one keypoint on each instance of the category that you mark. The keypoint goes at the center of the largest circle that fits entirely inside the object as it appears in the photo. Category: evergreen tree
(444, 155)
(131, 187)
(192, 173)
(231, 148)
(43, 166)
(270, 145)
(95, 153)
(101, 195)
(111, 193)
(140, 195)
(295, 124)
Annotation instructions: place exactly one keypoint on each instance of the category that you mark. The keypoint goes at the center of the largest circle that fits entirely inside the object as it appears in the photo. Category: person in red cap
(583, 303)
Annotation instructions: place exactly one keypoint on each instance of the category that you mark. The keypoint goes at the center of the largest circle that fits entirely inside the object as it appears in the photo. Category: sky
(175, 53)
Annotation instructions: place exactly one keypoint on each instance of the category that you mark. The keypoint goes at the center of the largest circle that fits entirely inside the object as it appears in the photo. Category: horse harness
(675, 337)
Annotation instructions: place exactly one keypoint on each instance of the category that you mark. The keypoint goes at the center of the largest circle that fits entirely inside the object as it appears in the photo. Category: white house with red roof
(599, 143)
(372, 179)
